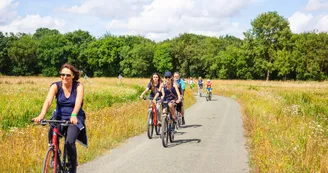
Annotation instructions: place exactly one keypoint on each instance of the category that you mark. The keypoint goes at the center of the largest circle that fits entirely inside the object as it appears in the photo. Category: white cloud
(314, 5)
(7, 11)
(113, 9)
(322, 24)
(301, 22)
(30, 23)
(168, 18)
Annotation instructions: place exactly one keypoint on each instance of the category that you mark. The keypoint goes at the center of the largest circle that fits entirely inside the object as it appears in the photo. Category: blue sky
(157, 19)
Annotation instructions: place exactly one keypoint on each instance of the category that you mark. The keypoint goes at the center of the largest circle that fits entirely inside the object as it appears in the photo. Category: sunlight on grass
(286, 123)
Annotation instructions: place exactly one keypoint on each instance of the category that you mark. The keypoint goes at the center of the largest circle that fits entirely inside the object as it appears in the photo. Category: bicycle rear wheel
(179, 118)
(171, 131)
(164, 134)
(51, 162)
(150, 125)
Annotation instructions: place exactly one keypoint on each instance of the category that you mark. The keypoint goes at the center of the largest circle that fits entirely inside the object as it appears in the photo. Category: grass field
(114, 113)
(285, 122)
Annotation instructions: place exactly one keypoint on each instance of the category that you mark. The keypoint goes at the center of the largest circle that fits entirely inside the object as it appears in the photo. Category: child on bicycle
(209, 86)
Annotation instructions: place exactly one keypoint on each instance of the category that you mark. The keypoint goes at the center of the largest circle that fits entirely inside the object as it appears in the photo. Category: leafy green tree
(41, 32)
(270, 32)
(163, 57)
(4, 59)
(79, 41)
(310, 56)
(53, 51)
(137, 61)
(103, 56)
(23, 54)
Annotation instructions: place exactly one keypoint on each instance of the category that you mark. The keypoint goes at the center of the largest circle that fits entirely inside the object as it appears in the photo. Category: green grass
(286, 123)
(114, 113)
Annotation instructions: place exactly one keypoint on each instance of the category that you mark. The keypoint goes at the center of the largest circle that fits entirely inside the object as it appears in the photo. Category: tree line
(269, 50)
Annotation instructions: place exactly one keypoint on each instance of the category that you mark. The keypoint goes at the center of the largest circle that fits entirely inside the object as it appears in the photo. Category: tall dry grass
(286, 123)
(122, 116)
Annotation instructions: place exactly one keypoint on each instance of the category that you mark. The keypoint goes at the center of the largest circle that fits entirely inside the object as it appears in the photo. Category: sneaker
(183, 121)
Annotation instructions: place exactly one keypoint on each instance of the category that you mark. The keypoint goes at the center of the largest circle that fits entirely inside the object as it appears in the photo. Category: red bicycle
(53, 161)
(152, 121)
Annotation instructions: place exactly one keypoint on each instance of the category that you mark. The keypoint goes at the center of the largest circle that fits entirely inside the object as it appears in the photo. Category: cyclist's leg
(158, 108)
(72, 133)
(171, 106)
(182, 113)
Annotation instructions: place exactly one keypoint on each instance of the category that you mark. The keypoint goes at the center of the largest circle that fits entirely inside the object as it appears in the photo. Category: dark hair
(76, 72)
(152, 81)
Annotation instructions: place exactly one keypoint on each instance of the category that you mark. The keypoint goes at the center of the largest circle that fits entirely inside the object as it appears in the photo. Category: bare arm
(47, 103)
(161, 89)
(78, 103)
(147, 89)
(79, 99)
(177, 91)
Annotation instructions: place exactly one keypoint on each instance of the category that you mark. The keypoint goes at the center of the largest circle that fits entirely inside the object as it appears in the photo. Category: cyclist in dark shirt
(154, 86)
(69, 94)
(170, 92)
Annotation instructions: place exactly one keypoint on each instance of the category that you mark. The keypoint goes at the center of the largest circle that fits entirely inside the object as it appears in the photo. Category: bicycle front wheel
(50, 163)
(164, 134)
(150, 125)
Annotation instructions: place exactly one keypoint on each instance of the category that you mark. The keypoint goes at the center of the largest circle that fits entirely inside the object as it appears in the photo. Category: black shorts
(179, 105)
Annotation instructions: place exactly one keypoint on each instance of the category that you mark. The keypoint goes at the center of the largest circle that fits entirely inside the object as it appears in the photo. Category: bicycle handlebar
(61, 122)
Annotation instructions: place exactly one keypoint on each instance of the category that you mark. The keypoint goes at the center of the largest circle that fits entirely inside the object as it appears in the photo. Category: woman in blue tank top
(170, 92)
(69, 94)
(154, 86)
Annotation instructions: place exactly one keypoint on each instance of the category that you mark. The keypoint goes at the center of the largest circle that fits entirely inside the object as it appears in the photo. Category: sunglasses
(167, 77)
(63, 74)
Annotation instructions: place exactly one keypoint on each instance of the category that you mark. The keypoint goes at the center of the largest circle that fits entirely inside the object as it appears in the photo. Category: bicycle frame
(55, 149)
(168, 127)
(154, 110)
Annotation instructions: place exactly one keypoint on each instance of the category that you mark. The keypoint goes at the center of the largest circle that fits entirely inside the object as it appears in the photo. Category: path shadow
(191, 125)
(180, 133)
(183, 141)
(214, 100)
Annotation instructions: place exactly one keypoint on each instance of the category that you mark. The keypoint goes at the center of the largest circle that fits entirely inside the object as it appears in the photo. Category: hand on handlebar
(73, 120)
(37, 119)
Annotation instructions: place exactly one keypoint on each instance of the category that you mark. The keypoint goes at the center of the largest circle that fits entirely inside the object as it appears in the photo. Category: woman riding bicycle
(170, 92)
(69, 94)
(154, 86)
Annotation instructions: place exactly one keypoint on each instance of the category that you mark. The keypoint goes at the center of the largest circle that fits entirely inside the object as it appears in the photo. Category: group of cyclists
(69, 95)
(200, 85)
(171, 89)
